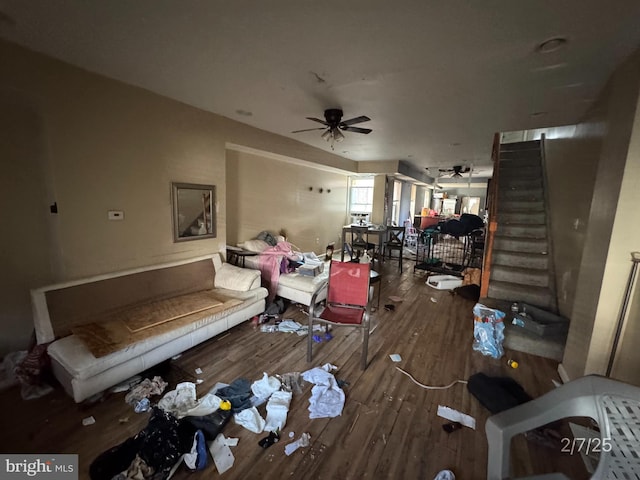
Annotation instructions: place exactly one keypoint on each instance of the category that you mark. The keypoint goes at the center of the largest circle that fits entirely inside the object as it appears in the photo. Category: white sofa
(61, 309)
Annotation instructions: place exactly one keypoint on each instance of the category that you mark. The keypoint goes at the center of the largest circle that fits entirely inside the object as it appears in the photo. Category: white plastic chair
(614, 405)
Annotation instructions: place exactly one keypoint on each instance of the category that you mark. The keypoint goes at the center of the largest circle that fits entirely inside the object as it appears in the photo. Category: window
(395, 210)
(361, 195)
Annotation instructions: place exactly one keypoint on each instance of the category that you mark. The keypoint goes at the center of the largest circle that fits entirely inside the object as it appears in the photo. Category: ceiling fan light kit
(333, 125)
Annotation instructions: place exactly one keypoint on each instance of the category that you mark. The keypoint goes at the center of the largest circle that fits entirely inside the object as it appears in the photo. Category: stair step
(509, 171)
(510, 258)
(528, 145)
(530, 194)
(522, 157)
(537, 296)
(538, 218)
(512, 160)
(527, 206)
(521, 244)
(517, 183)
(521, 276)
(522, 230)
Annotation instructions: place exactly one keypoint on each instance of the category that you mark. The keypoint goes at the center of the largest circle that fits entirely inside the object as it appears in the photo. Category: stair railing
(492, 201)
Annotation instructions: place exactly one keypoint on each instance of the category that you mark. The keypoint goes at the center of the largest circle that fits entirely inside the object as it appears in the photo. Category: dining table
(379, 231)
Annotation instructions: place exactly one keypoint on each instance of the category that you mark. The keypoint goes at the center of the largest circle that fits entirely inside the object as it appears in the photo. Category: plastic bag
(488, 331)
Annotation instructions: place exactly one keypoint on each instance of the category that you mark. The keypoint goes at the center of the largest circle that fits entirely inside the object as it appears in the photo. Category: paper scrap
(394, 298)
(456, 416)
(434, 300)
(198, 370)
(175, 357)
(88, 421)
(199, 381)
(395, 357)
(231, 442)
(221, 453)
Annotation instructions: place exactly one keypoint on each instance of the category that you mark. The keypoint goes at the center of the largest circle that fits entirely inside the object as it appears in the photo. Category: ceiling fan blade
(353, 121)
(318, 120)
(356, 129)
(308, 129)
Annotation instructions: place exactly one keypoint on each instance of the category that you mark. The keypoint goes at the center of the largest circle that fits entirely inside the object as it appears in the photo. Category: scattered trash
(221, 453)
(291, 382)
(268, 328)
(390, 307)
(175, 357)
(327, 398)
(88, 421)
(199, 381)
(250, 419)
(430, 387)
(277, 410)
(434, 300)
(145, 389)
(488, 331)
(451, 426)
(198, 371)
(395, 357)
(142, 406)
(123, 420)
(196, 459)
(512, 363)
(225, 405)
(270, 439)
(292, 434)
(394, 298)
(127, 384)
(456, 416)
(266, 386)
(303, 441)
(445, 475)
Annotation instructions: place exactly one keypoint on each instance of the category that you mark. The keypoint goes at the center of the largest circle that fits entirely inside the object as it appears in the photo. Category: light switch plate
(116, 215)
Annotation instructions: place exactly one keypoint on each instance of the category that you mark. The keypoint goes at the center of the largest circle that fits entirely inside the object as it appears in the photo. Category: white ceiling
(437, 78)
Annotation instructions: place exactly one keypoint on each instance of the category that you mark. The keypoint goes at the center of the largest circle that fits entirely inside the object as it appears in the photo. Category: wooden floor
(388, 429)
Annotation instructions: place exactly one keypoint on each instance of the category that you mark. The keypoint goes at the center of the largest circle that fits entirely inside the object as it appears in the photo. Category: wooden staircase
(521, 264)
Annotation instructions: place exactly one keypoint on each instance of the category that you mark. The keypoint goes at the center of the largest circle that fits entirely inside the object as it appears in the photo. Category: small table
(234, 256)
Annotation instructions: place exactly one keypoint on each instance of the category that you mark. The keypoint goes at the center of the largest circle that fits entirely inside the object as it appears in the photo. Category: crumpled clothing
(277, 410)
(250, 419)
(179, 401)
(327, 398)
(238, 393)
(289, 326)
(145, 389)
(138, 470)
(264, 387)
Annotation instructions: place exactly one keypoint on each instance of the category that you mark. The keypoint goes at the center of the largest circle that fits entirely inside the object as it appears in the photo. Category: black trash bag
(496, 393)
(211, 425)
(115, 460)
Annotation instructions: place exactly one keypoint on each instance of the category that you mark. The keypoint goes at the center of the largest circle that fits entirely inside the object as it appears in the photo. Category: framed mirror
(193, 211)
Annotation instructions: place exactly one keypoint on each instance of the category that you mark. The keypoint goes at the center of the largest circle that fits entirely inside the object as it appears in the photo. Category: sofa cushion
(72, 353)
(304, 283)
(236, 278)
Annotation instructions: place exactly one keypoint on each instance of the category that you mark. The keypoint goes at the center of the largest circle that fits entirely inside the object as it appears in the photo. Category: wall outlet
(116, 215)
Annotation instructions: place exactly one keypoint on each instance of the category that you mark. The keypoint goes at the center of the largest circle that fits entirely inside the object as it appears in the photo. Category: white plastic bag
(488, 331)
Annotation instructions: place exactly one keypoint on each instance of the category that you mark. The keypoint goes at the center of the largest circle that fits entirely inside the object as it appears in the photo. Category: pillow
(236, 278)
(255, 245)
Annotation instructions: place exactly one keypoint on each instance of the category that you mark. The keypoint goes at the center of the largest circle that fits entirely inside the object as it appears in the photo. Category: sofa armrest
(235, 278)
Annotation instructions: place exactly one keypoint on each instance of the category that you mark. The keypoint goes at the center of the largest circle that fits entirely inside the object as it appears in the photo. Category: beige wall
(269, 194)
(611, 231)
(571, 164)
(92, 145)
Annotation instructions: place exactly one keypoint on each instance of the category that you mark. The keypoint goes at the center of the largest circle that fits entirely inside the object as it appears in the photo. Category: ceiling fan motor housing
(333, 116)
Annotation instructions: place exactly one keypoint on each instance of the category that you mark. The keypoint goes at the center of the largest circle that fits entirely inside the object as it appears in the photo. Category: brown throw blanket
(116, 330)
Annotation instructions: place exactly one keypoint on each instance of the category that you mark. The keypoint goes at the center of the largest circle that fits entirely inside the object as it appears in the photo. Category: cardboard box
(540, 322)
(444, 282)
(311, 269)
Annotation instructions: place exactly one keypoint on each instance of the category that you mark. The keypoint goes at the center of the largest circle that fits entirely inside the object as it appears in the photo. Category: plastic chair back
(348, 283)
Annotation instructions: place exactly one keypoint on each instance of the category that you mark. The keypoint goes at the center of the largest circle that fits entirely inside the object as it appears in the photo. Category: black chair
(360, 243)
(395, 241)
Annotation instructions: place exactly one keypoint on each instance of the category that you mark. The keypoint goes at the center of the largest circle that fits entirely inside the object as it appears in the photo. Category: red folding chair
(347, 302)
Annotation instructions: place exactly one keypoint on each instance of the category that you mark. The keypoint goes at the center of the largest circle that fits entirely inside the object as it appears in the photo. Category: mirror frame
(176, 189)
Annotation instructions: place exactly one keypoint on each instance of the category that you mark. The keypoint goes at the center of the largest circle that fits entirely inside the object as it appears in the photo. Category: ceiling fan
(333, 124)
(456, 171)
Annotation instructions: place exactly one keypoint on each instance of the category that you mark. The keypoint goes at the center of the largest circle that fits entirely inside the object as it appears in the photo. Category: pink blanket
(270, 260)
